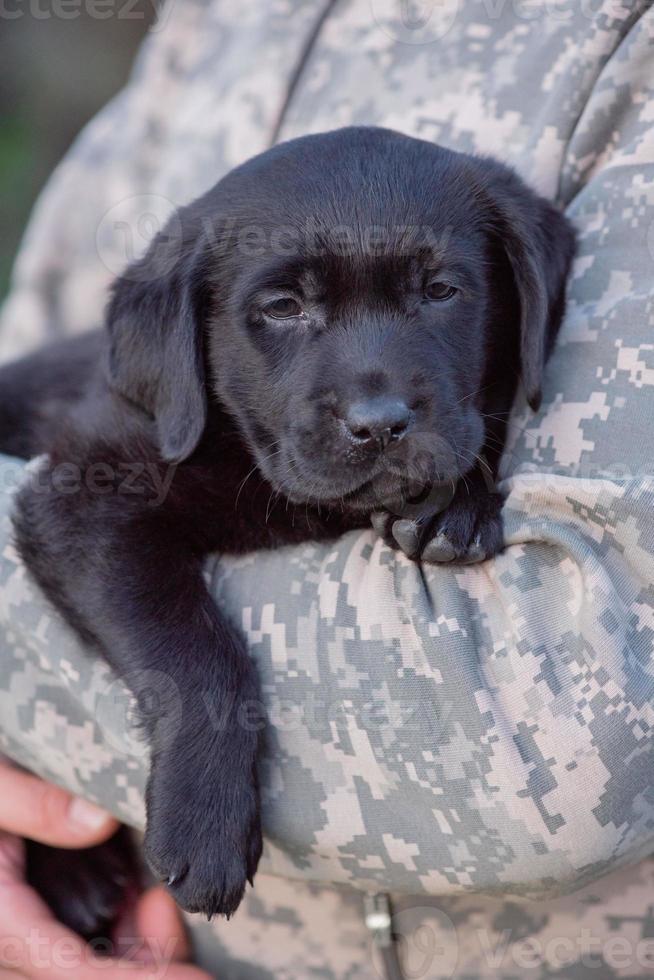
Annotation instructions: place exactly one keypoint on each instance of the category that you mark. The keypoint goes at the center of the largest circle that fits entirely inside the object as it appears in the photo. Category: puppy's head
(357, 300)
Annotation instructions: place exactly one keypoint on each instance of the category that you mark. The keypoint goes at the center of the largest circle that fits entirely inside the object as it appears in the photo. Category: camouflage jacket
(474, 736)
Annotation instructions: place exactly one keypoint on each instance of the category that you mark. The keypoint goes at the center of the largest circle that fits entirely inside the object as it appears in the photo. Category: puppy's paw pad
(407, 534)
(439, 549)
(474, 553)
(468, 532)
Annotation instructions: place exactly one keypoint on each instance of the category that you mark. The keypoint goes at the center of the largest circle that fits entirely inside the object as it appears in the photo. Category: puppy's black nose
(377, 421)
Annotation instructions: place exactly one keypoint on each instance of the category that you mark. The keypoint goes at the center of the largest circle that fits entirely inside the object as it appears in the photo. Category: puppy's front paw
(469, 530)
(205, 843)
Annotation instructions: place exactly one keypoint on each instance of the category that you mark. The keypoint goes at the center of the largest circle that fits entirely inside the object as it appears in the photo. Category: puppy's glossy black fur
(340, 324)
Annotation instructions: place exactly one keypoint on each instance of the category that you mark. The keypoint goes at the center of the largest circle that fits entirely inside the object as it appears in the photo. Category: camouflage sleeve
(443, 730)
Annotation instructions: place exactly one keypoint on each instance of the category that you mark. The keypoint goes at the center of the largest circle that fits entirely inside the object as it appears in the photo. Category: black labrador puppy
(348, 317)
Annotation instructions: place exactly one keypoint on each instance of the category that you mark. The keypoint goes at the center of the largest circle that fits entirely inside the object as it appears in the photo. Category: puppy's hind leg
(38, 390)
(86, 890)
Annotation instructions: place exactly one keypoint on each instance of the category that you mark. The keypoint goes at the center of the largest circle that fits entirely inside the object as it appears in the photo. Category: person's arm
(447, 730)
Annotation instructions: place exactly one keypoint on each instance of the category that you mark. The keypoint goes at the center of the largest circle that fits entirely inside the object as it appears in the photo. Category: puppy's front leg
(203, 833)
(129, 577)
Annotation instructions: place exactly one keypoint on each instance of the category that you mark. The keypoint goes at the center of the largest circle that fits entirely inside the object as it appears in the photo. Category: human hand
(152, 943)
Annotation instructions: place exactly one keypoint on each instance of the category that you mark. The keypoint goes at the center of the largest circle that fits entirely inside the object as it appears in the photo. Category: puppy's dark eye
(438, 292)
(283, 309)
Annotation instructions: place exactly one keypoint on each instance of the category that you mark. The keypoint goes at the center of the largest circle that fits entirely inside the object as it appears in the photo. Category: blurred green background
(59, 63)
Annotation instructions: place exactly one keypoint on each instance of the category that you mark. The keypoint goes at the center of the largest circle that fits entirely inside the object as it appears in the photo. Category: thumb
(33, 808)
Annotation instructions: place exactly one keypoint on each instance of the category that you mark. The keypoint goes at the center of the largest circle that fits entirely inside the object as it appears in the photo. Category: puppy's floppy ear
(539, 243)
(156, 358)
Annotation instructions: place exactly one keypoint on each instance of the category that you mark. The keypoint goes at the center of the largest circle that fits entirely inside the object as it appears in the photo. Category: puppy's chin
(380, 487)
(398, 496)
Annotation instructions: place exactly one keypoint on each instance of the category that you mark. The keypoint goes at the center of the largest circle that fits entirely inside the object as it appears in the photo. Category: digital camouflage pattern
(479, 736)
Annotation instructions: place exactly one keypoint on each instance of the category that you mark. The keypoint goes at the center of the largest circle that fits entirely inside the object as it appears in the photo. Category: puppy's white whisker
(472, 394)
(257, 466)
